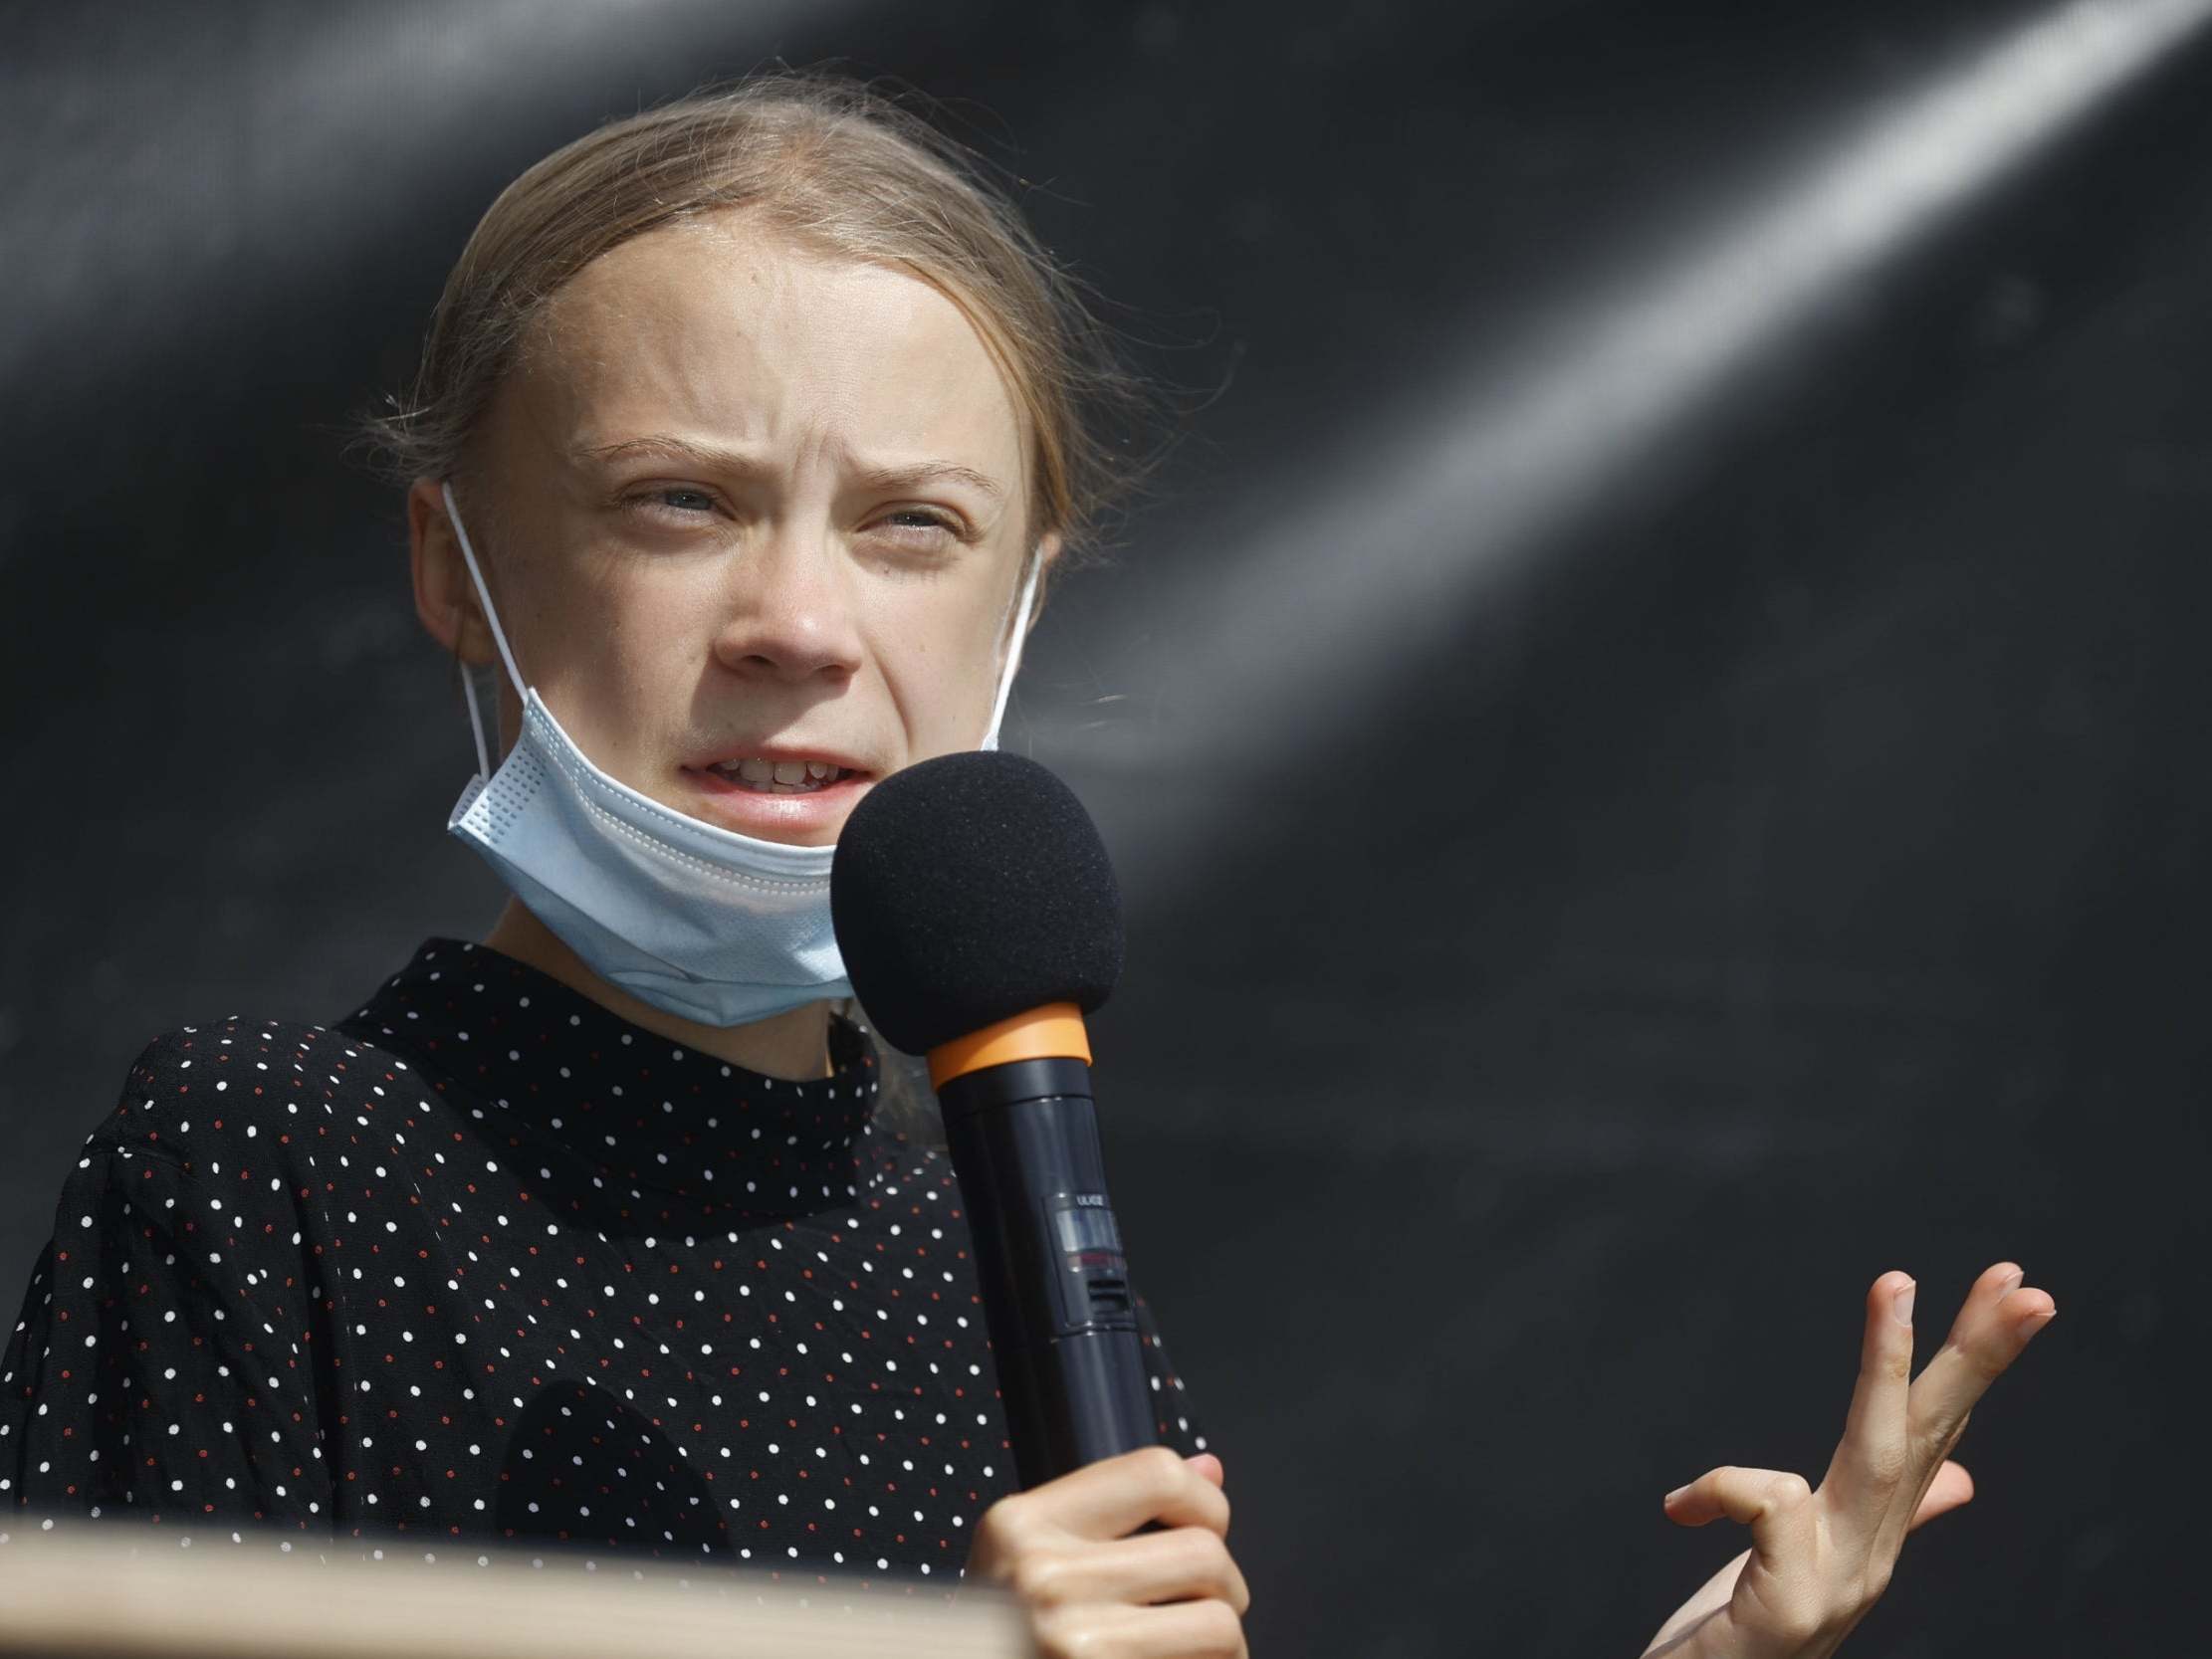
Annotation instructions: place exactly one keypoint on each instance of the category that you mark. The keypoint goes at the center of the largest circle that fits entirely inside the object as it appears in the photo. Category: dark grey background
(1630, 835)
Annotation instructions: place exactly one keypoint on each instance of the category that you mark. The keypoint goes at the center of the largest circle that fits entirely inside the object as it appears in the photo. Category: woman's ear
(1049, 557)
(445, 599)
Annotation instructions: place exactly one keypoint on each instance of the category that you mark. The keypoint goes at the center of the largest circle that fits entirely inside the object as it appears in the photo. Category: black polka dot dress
(486, 1261)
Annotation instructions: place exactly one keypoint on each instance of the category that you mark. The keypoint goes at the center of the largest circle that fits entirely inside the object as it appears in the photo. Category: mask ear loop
(1014, 651)
(476, 722)
(499, 637)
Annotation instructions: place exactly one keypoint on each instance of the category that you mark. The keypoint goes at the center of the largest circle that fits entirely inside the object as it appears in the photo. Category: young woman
(747, 433)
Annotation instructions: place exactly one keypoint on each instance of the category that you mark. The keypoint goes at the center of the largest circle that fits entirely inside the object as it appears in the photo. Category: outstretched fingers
(1820, 1559)
(1873, 1458)
(2000, 1316)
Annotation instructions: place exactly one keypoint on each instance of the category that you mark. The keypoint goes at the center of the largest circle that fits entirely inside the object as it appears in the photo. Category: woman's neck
(793, 1045)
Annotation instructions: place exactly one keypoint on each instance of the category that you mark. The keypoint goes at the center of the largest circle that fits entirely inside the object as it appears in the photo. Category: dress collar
(647, 1111)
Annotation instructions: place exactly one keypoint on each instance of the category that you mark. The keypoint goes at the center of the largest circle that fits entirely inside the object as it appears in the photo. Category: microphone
(979, 919)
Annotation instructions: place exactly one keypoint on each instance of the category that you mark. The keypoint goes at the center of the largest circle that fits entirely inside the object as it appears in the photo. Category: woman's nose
(790, 615)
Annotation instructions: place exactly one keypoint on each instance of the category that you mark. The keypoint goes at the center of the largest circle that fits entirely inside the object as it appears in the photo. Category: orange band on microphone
(1052, 1032)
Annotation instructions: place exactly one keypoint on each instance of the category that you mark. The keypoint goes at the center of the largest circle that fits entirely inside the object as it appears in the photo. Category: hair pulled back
(841, 170)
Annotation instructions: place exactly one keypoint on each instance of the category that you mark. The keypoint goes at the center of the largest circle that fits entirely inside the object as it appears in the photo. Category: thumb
(1209, 1467)
(1951, 1487)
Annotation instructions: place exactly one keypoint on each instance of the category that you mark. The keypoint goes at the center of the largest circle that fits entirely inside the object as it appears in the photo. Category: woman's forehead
(743, 339)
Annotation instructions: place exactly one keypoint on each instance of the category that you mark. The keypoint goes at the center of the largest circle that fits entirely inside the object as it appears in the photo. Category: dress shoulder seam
(97, 1143)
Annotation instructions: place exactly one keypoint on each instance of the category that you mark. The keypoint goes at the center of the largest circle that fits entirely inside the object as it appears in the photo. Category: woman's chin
(803, 817)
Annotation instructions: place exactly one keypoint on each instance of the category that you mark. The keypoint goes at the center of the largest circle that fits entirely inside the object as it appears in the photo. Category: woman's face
(750, 516)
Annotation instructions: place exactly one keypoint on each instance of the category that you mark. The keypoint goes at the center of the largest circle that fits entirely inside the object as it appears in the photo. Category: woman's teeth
(780, 777)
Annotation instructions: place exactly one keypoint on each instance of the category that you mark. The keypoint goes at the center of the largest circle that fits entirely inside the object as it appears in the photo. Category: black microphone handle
(1024, 1137)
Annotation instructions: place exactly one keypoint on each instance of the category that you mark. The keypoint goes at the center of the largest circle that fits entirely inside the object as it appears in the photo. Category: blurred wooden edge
(125, 1590)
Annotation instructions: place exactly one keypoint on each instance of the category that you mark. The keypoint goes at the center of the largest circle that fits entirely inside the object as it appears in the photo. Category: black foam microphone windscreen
(970, 888)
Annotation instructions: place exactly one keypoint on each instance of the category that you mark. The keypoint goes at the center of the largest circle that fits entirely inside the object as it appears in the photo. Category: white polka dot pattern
(486, 1261)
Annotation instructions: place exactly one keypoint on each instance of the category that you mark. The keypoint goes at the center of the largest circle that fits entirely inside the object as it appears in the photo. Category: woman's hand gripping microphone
(1070, 1549)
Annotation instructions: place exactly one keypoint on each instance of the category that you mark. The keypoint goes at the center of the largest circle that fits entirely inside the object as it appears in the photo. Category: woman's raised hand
(1820, 1558)
(1094, 1585)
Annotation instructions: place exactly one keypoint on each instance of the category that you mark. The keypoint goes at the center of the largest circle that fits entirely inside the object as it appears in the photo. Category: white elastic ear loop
(1014, 651)
(499, 637)
(476, 723)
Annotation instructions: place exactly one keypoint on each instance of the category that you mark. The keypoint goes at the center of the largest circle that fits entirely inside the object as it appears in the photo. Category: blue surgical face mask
(699, 921)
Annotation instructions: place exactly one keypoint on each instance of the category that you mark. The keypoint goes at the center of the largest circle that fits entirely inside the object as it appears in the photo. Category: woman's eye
(914, 523)
(669, 502)
(671, 499)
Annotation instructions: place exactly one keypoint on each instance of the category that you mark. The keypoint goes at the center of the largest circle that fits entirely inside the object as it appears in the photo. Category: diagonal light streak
(268, 149)
(1289, 646)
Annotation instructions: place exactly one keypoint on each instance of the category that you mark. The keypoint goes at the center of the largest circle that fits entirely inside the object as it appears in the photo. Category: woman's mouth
(801, 799)
(778, 777)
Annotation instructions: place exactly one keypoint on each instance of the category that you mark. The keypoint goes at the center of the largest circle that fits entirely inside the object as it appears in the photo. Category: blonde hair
(843, 169)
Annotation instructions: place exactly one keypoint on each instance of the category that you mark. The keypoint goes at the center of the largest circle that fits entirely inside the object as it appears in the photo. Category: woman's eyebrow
(933, 472)
(721, 460)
